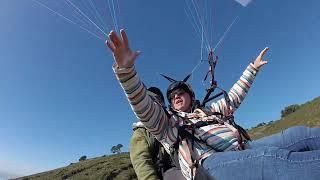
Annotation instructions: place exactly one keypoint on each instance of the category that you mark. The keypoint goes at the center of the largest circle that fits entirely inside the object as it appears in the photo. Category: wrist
(121, 70)
(254, 66)
(253, 69)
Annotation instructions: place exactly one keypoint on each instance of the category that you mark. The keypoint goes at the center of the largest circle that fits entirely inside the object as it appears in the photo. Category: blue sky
(59, 99)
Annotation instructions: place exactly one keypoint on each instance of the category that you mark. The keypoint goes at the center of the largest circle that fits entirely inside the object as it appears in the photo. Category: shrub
(289, 109)
(83, 158)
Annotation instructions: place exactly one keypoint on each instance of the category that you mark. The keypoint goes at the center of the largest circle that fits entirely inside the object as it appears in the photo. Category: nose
(177, 95)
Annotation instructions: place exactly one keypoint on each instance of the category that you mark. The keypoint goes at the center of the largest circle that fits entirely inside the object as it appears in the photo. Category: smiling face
(181, 100)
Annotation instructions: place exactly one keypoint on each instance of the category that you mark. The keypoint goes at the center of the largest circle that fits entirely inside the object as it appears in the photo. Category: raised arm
(150, 113)
(240, 89)
(123, 56)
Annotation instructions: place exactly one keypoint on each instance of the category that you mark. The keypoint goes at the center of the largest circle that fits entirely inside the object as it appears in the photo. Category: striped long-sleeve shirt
(165, 129)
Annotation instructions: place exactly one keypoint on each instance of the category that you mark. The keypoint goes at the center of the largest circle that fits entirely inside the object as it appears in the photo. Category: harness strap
(230, 119)
(192, 159)
(183, 133)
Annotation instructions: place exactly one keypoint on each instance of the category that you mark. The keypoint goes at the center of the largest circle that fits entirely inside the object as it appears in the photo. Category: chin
(179, 108)
(183, 109)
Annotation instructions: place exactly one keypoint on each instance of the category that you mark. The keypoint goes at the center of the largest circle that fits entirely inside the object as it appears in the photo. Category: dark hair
(157, 91)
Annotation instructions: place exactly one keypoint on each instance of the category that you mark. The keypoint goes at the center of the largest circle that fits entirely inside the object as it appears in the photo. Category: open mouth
(178, 101)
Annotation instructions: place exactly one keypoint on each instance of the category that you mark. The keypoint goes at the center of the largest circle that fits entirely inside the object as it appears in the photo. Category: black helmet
(179, 85)
(158, 92)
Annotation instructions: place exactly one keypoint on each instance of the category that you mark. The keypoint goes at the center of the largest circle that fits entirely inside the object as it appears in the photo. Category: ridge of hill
(119, 166)
(308, 114)
(116, 166)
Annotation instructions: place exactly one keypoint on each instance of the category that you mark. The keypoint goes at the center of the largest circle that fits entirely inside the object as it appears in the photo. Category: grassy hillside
(101, 168)
(119, 166)
(308, 115)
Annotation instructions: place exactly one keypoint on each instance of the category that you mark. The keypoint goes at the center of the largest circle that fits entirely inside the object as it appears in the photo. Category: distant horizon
(59, 96)
(10, 174)
(7, 175)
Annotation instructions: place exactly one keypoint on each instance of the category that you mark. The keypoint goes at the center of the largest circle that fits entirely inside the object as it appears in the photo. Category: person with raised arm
(207, 146)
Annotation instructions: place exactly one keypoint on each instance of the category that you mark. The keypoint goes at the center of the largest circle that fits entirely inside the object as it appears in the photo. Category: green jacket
(141, 151)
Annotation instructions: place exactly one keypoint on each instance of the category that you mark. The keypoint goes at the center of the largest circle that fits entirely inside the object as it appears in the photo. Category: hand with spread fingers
(259, 62)
(122, 53)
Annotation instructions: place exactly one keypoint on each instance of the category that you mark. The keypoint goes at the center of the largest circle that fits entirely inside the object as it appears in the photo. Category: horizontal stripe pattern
(238, 91)
(155, 119)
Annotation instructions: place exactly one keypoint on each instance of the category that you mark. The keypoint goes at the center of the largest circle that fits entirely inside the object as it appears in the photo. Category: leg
(173, 173)
(298, 138)
(264, 163)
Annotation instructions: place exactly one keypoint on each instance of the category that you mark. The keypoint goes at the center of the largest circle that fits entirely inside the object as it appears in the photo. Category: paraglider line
(193, 20)
(86, 17)
(225, 33)
(201, 23)
(98, 14)
(67, 19)
(113, 14)
(193, 25)
(196, 66)
(78, 16)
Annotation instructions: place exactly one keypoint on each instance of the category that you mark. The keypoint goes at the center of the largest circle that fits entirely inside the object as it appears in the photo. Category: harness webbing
(229, 118)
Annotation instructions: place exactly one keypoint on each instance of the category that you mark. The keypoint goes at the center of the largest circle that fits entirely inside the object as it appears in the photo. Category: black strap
(212, 60)
(207, 99)
(230, 118)
(184, 134)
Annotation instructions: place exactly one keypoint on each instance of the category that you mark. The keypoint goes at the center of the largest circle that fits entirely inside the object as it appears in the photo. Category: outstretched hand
(259, 62)
(122, 53)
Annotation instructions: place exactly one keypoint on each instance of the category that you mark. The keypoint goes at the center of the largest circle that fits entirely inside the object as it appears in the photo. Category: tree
(116, 149)
(261, 124)
(119, 146)
(289, 109)
(83, 158)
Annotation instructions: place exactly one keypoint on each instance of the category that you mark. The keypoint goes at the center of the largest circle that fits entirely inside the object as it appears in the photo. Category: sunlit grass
(307, 115)
(101, 168)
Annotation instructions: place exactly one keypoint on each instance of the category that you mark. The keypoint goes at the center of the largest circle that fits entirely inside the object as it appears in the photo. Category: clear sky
(59, 99)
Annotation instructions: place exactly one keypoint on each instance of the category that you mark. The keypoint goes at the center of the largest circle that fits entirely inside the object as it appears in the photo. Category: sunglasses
(177, 92)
